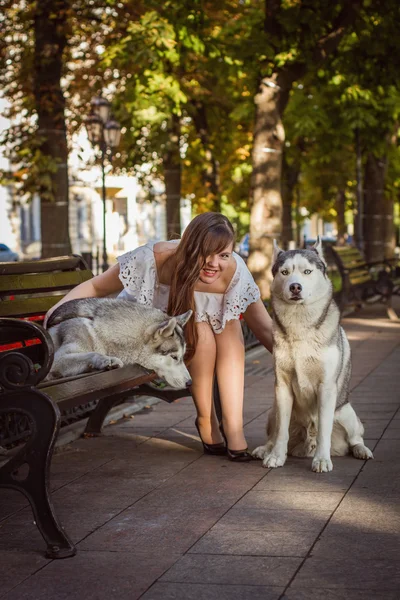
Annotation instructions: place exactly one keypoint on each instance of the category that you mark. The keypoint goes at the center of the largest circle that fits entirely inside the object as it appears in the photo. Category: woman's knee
(205, 355)
(231, 338)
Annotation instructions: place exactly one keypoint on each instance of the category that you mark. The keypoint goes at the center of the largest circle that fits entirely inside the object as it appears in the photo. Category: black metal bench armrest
(16, 369)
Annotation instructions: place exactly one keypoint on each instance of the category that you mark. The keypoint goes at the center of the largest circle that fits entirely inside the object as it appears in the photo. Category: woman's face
(215, 265)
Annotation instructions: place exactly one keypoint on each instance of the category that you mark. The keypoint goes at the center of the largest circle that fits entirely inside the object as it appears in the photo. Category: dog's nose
(188, 383)
(295, 288)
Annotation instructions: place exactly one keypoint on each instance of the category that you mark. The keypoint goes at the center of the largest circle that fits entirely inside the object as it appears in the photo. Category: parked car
(244, 246)
(7, 255)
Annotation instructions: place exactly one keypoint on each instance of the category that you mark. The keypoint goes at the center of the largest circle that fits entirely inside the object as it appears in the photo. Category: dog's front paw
(274, 459)
(108, 362)
(114, 363)
(362, 452)
(260, 452)
(322, 465)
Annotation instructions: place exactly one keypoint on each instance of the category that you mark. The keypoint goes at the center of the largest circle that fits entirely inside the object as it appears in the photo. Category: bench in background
(366, 283)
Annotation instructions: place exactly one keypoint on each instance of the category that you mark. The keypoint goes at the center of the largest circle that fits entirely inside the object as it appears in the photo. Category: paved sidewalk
(154, 518)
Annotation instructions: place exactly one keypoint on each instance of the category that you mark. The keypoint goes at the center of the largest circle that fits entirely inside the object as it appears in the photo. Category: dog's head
(300, 276)
(166, 349)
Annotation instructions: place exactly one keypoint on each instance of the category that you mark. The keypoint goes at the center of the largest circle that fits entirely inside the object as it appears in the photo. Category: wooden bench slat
(360, 279)
(96, 386)
(33, 282)
(60, 263)
(28, 306)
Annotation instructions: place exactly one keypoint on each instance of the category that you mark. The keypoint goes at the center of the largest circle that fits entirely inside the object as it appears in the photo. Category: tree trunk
(266, 209)
(50, 27)
(389, 231)
(172, 179)
(340, 220)
(374, 215)
(290, 176)
(271, 100)
(211, 169)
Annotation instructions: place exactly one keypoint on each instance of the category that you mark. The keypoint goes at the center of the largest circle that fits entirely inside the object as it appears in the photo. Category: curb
(74, 431)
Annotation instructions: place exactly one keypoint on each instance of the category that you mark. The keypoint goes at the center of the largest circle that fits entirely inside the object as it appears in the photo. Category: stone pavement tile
(377, 519)
(336, 594)
(392, 432)
(376, 411)
(367, 396)
(184, 437)
(197, 591)
(344, 541)
(374, 428)
(253, 380)
(357, 572)
(274, 500)
(95, 576)
(88, 492)
(17, 566)
(249, 414)
(263, 519)
(20, 533)
(213, 475)
(11, 501)
(177, 513)
(233, 570)
(171, 530)
(387, 450)
(72, 461)
(223, 540)
(279, 480)
(360, 500)
(374, 480)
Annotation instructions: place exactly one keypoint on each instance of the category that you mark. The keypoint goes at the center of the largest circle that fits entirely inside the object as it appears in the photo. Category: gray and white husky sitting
(311, 415)
(105, 333)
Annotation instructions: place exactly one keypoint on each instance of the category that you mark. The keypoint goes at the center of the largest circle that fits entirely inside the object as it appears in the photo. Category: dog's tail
(82, 307)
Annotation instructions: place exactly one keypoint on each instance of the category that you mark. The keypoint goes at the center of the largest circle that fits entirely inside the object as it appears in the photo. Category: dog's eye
(174, 357)
(307, 271)
(285, 272)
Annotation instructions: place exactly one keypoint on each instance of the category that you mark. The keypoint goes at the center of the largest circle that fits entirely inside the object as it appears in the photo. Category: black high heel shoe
(236, 455)
(214, 449)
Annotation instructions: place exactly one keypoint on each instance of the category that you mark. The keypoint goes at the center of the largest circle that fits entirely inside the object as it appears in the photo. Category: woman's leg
(202, 368)
(230, 374)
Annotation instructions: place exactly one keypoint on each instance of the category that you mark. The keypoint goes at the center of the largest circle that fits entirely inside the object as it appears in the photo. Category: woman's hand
(98, 287)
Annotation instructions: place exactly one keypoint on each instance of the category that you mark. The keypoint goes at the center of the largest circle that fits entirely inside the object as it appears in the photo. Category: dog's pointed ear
(317, 247)
(276, 253)
(183, 319)
(166, 328)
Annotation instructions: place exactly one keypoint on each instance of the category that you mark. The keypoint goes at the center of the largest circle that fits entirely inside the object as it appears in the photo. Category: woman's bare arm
(102, 285)
(260, 323)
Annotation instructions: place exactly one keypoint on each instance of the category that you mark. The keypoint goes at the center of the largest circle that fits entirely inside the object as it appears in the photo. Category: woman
(200, 272)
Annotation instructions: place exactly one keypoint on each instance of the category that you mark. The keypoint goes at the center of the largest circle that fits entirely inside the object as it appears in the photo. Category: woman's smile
(210, 273)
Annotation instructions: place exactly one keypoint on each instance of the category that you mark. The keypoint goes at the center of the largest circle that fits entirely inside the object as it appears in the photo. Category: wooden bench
(27, 291)
(366, 283)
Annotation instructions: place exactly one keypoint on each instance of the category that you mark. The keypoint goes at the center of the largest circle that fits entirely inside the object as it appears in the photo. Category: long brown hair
(208, 233)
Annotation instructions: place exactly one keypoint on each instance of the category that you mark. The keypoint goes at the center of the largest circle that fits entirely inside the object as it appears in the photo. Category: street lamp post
(105, 133)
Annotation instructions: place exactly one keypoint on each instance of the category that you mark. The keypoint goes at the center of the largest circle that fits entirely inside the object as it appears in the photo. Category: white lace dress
(138, 274)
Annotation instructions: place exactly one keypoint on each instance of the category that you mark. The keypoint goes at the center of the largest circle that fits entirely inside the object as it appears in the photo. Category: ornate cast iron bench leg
(35, 457)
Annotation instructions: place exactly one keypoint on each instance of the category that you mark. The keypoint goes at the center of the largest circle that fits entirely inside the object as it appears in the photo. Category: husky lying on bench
(311, 415)
(104, 333)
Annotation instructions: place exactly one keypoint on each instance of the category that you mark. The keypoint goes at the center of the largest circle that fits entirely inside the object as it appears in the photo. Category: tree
(51, 29)
(298, 37)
